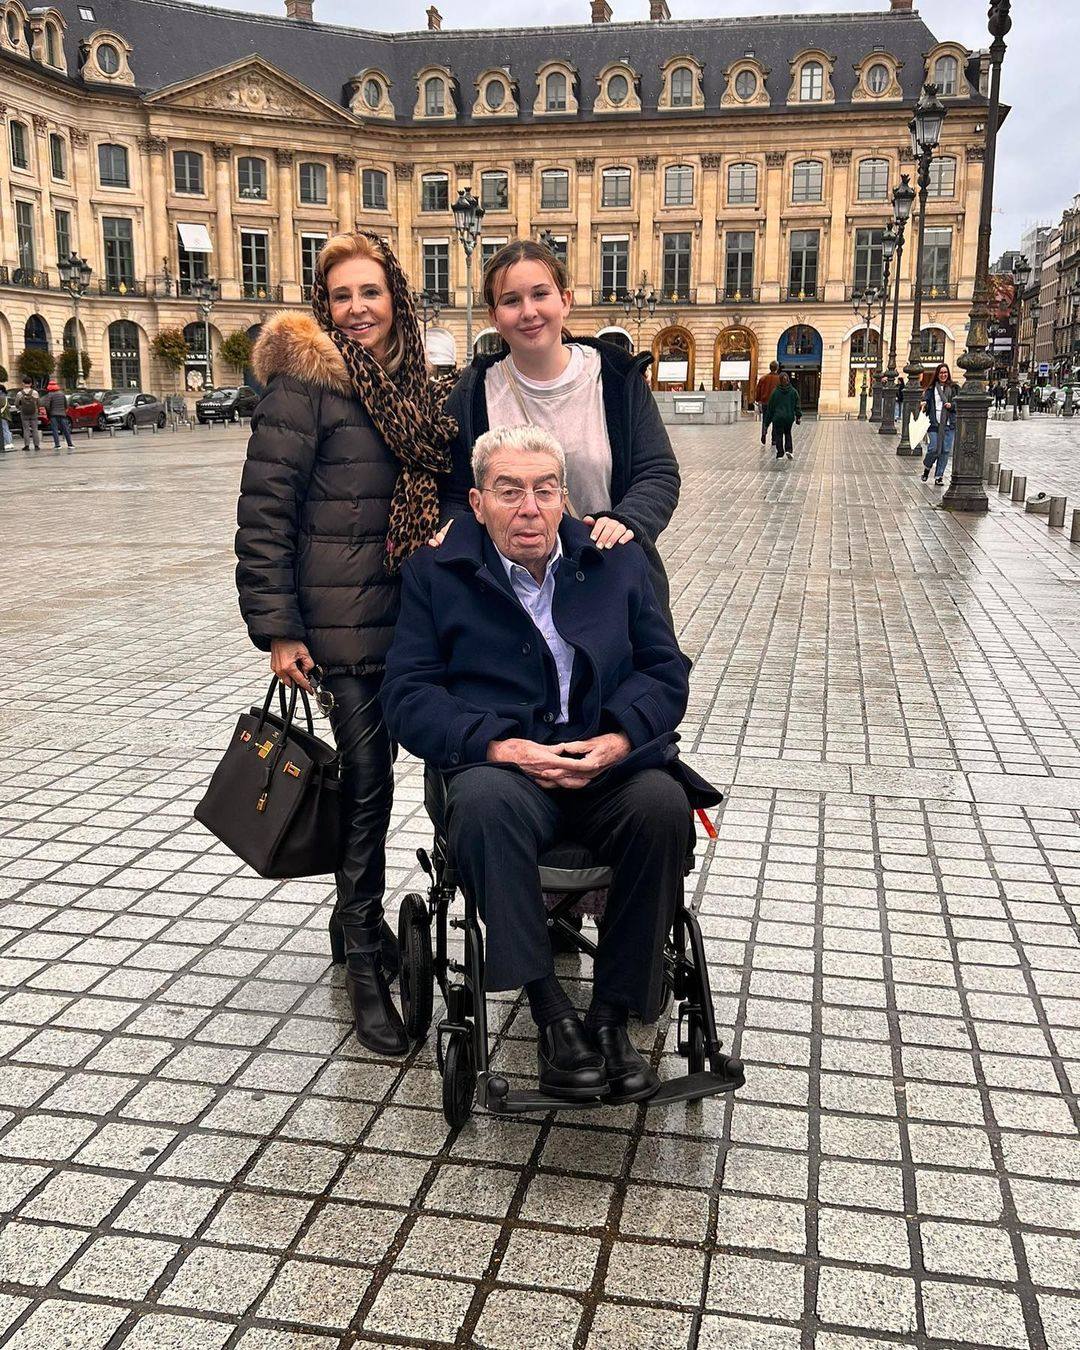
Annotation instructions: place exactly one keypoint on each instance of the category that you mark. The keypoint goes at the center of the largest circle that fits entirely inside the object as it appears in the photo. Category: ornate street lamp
(1034, 309)
(428, 308)
(902, 198)
(888, 249)
(75, 274)
(925, 129)
(468, 219)
(1020, 272)
(864, 305)
(638, 303)
(966, 490)
(205, 290)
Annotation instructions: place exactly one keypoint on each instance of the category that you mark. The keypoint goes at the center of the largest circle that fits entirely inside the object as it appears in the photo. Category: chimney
(658, 11)
(434, 20)
(601, 11)
(299, 9)
(902, 6)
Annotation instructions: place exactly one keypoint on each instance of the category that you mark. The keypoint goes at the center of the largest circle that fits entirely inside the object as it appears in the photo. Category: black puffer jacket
(644, 471)
(314, 506)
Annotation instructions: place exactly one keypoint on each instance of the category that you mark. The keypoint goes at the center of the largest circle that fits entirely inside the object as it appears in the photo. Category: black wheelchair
(569, 872)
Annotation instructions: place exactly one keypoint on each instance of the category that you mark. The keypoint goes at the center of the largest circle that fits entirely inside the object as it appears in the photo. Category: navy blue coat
(467, 666)
(930, 404)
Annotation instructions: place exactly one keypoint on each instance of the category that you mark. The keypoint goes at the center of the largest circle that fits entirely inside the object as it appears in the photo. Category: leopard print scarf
(407, 409)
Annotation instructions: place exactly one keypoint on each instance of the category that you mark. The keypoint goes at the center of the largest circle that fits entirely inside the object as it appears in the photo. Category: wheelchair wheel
(417, 976)
(459, 1079)
(694, 1044)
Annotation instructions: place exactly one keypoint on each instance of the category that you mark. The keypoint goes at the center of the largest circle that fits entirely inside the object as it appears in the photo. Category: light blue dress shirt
(536, 601)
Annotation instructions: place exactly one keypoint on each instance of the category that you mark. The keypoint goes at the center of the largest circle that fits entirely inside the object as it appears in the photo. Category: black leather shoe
(377, 1022)
(568, 1065)
(389, 952)
(631, 1077)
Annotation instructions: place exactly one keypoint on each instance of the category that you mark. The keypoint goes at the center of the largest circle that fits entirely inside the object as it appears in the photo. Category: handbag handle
(286, 716)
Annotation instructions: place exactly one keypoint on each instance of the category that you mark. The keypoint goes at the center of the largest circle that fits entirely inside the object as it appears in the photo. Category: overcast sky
(1038, 169)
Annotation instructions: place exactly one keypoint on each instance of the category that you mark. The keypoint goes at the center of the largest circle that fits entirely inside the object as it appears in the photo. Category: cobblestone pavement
(194, 1154)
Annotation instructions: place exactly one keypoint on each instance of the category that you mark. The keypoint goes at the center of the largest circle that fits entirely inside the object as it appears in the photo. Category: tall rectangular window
(255, 264)
(373, 183)
(806, 181)
(191, 267)
(942, 176)
(113, 166)
(739, 264)
(614, 265)
(251, 178)
(615, 187)
(742, 184)
(118, 238)
(937, 260)
(20, 153)
(873, 180)
(63, 233)
(434, 192)
(310, 244)
(554, 190)
(437, 268)
(677, 265)
(313, 184)
(57, 156)
(187, 171)
(495, 191)
(868, 260)
(679, 185)
(24, 234)
(803, 268)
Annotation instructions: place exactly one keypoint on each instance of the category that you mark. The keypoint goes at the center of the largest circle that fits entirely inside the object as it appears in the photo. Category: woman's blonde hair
(342, 247)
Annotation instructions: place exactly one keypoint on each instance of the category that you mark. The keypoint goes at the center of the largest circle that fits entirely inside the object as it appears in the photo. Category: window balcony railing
(609, 297)
(807, 293)
(31, 277)
(932, 290)
(264, 294)
(737, 295)
(684, 295)
(121, 286)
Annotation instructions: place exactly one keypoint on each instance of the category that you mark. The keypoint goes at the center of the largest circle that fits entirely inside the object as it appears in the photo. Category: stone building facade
(743, 166)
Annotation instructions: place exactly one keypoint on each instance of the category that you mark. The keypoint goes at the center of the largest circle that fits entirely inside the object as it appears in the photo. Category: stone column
(834, 279)
(967, 227)
(158, 242)
(224, 266)
(585, 259)
(85, 240)
(286, 231)
(403, 206)
(8, 255)
(523, 198)
(773, 281)
(346, 193)
(47, 243)
(708, 282)
(646, 195)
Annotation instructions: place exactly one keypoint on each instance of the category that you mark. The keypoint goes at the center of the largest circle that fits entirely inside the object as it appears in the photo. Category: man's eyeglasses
(544, 497)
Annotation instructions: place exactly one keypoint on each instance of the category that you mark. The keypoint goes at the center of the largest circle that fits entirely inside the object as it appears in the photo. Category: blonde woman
(339, 487)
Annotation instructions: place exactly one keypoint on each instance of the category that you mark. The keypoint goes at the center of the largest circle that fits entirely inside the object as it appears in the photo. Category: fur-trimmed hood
(292, 343)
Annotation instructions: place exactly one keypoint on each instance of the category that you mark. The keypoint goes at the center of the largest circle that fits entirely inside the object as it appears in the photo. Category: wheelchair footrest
(694, 1086)
(519, 1100)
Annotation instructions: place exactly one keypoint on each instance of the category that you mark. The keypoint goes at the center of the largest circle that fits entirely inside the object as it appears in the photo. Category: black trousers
(368, 782)
(781, 439)
(499, 822)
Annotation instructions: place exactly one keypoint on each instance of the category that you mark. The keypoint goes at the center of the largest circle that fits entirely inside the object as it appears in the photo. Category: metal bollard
(1019, 487)
(1056, 519)
(1074, 530)
(992, 471)
(1005, 480)
(112, 432)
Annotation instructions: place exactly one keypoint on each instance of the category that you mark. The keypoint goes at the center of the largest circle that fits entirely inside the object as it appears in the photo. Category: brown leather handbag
(275, 798)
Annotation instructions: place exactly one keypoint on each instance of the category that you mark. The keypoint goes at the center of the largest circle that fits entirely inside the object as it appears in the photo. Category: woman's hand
(437, 538)
(606, 533)
(290, 661)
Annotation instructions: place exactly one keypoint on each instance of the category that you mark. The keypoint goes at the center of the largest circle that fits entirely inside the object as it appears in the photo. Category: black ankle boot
(389, 952)
(377, 1022)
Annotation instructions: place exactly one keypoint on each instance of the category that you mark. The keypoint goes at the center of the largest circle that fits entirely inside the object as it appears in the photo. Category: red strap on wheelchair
(710, 828)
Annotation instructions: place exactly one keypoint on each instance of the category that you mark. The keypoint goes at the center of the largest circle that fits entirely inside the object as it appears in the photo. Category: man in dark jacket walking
(538, 672)
(27, 405)
(782, 412)
(56, 409)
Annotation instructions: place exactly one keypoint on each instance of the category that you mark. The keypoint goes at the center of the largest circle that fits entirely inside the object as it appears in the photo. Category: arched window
(943, 176)
(742, 184)
(679, 185)
(615, 189)
(806, 180)
(374, 189)
(495, 190)
(434, 96)
(932, 346)
(946, 74)
(36, 333)
(555, 92)
(12, 25)
(195, 337)
(682, 87)
(187, 171)
(811, 82)
(434, 192)
(313, 183)
(554, 190)
(251, 178)
(113, 165)
(873, 180)
(51, 45)
(124, 355)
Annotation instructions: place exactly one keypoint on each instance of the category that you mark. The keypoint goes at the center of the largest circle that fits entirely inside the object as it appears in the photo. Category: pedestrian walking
(764, 391)
(339, 488)
(999, 396)
(782, 411)
(6, 414)
(900, 395)
(939, 403)
(56, 410)
(28, 406)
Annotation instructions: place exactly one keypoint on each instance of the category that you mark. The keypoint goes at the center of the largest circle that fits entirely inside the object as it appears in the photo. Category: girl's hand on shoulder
(606, 533)
(436, 539)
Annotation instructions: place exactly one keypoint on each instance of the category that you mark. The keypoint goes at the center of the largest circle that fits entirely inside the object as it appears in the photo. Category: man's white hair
(533, 440)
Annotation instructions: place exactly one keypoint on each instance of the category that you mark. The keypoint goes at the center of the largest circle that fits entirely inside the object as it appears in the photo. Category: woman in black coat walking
(939, 404)
(338, 489)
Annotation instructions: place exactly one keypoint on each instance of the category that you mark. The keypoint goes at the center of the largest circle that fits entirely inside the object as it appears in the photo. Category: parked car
(128, 407)
(226, 405)
(85, 410)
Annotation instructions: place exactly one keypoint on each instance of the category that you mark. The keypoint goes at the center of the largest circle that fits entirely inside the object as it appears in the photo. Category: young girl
(622, 475)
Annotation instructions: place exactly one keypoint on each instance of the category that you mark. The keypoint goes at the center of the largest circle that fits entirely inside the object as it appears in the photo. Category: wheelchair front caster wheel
(694, 1045)
(417, 977)
(459, 1079)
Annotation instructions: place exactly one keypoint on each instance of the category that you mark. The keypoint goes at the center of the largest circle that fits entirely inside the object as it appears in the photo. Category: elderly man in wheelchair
(537, 673)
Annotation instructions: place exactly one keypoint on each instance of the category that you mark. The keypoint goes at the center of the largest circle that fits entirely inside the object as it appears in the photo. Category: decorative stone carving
(584, 165)
(153, 145)
(840, 157)
(284, 158)
(249, 94)
(403, 172)
(41, 124)
(222, 151)
(464, 166)
(712, 161)
(523, 165)
(79, 137)
(775, 159)
(975, 153)
(904, 152)
(344, 163)
(647, 163)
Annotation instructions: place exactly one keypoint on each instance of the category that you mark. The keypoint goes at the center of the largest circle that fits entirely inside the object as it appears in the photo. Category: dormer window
(108, 58)
(434, 97)
(877, 78)
(811, 82)
(746, 83)
(372, 93)
(618, 89)
(495, 94)
(682, 87)
(946, 73)
(12, 25)
(86, 14)
(555, 92)
(51, 45)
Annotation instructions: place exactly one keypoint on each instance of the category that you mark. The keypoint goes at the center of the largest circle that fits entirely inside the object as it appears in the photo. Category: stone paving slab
(194, 1151)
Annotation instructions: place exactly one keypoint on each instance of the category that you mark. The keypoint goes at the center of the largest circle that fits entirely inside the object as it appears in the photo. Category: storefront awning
(195, 238)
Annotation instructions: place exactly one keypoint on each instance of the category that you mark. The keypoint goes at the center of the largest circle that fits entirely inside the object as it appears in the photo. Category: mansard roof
(174, 41)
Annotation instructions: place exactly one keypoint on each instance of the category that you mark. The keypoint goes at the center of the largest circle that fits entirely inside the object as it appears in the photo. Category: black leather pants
(368, 781)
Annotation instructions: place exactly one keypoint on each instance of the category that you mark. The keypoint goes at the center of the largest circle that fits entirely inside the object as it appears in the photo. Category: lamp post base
(967, 490)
